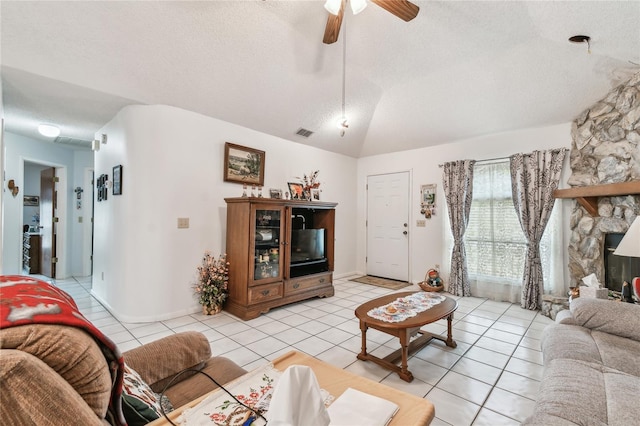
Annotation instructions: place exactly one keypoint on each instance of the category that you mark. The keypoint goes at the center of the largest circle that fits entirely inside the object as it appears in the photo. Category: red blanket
(25, 300)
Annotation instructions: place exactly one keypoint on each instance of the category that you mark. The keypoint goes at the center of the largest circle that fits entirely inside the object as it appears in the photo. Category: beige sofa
(53, 374)
(591, 366)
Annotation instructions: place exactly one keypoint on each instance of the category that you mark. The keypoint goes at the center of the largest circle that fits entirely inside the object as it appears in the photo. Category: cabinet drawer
(262, 293)
(296, 285)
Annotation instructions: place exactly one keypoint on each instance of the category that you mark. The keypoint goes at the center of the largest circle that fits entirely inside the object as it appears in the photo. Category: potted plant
(213, 280)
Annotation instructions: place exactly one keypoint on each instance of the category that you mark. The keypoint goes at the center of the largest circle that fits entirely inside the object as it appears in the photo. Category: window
(495, 243)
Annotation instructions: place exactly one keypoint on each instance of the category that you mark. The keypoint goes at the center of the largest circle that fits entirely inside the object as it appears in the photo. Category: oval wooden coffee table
(404, 330)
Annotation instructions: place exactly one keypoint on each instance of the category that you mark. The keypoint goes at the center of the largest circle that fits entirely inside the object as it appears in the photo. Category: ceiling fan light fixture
(343, 126)
(333, 6)
(49, 130)
(358, 6)
(342, 123)
(581, 39)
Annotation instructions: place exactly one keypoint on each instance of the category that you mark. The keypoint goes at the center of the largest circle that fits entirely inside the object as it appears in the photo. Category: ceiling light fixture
(49, 130)
(333, 6)
(581, 39)
(342, 123)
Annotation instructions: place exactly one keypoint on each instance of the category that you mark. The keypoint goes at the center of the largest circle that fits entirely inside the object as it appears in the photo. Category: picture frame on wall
(101, 187)
(117, 180)
(428, 194)
(31, 200)
(243, 164)
(297, 191)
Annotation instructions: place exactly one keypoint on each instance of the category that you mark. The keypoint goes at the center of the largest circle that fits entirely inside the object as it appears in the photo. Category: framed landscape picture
(243, 164)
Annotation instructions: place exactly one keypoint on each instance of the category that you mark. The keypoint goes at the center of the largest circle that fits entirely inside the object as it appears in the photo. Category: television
(307, 245)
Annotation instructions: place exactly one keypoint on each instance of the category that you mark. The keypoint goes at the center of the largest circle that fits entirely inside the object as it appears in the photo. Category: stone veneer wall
(605, 148)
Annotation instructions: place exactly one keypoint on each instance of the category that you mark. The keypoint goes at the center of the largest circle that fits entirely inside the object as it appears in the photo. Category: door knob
(405, 232)
(406, 224)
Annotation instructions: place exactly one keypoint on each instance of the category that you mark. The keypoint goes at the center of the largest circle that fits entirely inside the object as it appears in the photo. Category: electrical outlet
(183, 222)
(103, 276)
(79, 219)
(421, 223)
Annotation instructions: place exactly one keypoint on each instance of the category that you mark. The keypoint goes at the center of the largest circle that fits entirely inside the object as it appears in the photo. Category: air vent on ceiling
(304, 132)
(76, 143)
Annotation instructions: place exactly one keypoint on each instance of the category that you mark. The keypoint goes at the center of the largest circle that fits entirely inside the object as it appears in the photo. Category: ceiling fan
(403, 9)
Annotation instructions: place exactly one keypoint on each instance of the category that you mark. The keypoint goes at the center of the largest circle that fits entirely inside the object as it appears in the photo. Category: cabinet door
(267, 260)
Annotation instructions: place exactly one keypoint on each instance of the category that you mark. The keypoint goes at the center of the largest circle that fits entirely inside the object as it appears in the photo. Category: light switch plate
(421, 223)
(183, 222)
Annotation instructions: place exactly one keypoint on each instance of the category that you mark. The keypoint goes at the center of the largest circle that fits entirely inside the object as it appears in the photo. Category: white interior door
(388, 226)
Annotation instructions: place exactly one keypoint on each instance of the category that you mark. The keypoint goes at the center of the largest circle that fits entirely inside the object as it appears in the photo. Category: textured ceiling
(460, 69)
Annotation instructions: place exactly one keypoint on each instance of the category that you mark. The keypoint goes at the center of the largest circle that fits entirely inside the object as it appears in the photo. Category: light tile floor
(491, 378)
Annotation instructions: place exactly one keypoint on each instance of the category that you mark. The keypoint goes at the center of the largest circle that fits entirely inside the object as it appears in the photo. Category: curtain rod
(502, 158)
(483, 161)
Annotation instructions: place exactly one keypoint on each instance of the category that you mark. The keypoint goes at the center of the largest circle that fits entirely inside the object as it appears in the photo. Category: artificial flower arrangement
(310, 182)
(213, 281)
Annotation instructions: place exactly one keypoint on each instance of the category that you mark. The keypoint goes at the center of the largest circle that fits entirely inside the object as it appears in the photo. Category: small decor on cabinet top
(212, 283)
(310, 182)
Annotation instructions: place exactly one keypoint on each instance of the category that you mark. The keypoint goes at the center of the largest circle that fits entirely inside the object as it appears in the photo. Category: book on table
(356, 408)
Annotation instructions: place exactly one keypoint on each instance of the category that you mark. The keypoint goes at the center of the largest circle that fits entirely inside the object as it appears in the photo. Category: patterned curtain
(534, 177)
(458, 187)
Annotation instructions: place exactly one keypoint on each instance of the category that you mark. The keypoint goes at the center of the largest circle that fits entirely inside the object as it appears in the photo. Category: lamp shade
(333, 6)
(358, 6)
(630, 244)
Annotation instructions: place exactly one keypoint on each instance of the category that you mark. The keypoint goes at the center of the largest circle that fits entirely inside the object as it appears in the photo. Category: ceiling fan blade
(332, 30)
(403, 9)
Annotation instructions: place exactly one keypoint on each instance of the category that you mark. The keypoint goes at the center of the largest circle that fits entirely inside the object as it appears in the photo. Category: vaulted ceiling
(459, 69)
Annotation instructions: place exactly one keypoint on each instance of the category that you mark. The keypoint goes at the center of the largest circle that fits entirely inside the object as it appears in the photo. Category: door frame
(61, 212)
(87, 222)
(410, 217)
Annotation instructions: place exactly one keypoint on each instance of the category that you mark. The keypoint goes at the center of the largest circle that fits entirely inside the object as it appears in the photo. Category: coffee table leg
(404, 372)
(450, 342)
(363, 330)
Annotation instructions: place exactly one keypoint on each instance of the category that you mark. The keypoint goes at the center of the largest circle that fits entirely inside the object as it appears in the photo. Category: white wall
(426, 244)
(144, 267)
(19, 149)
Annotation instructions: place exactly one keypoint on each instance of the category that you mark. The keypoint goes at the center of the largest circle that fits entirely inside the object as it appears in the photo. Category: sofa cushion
(621, 319)
(585, 393)
(159, 361)
(72, 353)
(618, 352)
(221, 369)
(562, 341)
(32, 392)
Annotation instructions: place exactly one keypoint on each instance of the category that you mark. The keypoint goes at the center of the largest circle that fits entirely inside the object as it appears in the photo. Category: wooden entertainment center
(279, 252)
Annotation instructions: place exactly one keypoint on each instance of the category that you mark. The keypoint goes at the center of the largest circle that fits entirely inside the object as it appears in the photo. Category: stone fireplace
(605, 149)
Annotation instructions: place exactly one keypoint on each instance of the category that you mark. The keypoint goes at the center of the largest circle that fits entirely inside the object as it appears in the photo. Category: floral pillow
(140, 404)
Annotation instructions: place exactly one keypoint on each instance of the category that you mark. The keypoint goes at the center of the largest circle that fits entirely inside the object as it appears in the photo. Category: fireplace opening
(618, 269)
